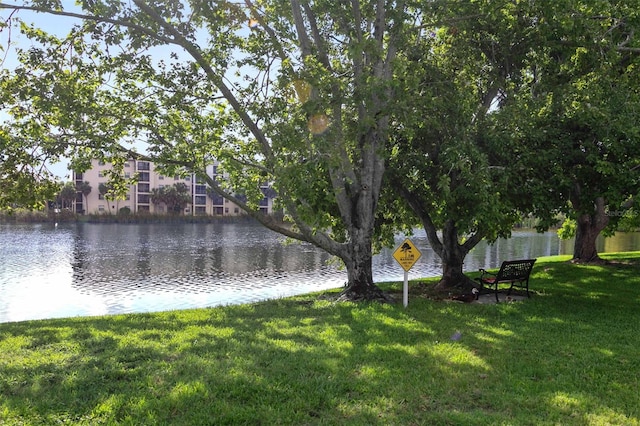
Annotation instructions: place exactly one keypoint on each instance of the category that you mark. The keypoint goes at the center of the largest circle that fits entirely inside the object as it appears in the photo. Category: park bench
(514, 272)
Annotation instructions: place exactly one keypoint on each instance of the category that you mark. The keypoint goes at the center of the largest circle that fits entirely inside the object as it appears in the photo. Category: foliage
(568, 229)
(305, 360)
(24, 179)
(579, 117)
(176, 197)
(447, 160)
(84, 188)
(106, 190)
(533, 110)
(67, 195)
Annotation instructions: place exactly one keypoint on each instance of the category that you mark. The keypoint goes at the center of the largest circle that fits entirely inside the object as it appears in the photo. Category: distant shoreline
(65, 216)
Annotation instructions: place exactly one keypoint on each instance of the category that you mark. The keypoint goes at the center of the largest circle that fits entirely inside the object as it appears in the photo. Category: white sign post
(406, 255)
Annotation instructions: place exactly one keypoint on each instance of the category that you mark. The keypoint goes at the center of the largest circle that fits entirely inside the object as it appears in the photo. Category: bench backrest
(515, 269)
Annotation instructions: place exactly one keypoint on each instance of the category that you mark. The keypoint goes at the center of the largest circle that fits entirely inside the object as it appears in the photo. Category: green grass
(567, 356)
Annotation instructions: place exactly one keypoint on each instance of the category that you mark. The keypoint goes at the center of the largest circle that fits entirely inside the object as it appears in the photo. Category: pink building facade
(138, 198)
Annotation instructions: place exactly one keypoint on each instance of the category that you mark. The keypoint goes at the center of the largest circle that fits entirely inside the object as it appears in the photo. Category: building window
(127, 175)
(101, 207)
(127, 197)
(236, 210)
(264, 202)
(216, 199)
(143, 165)
(201, 210)
(187, 178)
(201, 189)
(127, 164)
(143, 198)
(100, 196)
(160, 177)
(143, 187)
(143, 208)
(226, 209)
(201, 199)
(143, 177)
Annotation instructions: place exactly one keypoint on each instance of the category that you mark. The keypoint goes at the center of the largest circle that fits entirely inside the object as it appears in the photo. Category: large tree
(580, 118)
(443, 163)
(298, 94)
(533, 110)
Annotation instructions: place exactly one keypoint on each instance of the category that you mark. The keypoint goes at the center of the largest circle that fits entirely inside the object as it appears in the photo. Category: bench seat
(513, 272)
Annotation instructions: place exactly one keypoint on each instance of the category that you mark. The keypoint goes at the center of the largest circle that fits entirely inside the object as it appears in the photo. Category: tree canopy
(528, 108)
(296, 94)
(579, 117)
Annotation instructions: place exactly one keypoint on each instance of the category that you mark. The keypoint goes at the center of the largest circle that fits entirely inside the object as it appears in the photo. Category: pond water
(49, 271)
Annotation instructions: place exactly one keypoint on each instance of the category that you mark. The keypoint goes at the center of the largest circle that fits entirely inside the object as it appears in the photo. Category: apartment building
(138, 198)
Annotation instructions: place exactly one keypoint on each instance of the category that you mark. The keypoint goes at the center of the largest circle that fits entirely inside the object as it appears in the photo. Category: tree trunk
(450, 251)
(589, 226)
(452, 255)
(358, 261)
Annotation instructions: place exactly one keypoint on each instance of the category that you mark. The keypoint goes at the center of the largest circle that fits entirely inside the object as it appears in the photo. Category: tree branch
(85, 17)
(195, 53)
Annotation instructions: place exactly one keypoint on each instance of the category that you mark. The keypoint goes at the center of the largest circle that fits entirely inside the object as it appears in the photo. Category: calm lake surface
(49, 271)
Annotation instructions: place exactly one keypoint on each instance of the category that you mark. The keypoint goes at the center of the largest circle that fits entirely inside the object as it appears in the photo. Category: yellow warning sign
(406, 254)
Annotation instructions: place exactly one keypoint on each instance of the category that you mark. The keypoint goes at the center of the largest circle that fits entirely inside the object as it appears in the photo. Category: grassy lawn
(568, 356)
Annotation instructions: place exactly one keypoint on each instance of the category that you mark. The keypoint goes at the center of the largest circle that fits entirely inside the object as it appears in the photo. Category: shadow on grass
(562, 357)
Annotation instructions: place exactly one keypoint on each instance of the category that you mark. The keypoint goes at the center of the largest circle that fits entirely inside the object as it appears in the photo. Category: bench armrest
(485, 272)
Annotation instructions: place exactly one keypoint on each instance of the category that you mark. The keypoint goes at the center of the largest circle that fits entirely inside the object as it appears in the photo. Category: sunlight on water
(97, 269)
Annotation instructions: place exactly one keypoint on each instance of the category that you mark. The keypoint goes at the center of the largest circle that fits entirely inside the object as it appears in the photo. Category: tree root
(372, 294)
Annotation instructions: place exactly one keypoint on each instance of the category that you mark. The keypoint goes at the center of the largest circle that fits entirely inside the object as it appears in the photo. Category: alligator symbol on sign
(405, 247)
(406, 255)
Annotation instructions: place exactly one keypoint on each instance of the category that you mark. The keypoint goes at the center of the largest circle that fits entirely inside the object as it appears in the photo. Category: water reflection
(94, 269)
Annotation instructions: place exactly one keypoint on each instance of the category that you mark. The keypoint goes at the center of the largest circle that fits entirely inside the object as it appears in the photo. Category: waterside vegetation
(565, 356)
(67, 216)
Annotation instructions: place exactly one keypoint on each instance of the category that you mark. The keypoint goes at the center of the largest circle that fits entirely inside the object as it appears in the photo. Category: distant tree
(176, 197)
(106, 190)
(85, 189)
(157, 196)
(67, 195)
